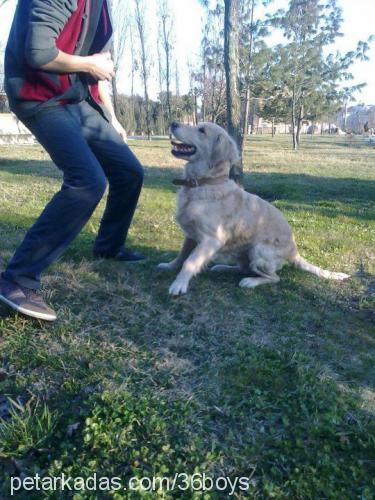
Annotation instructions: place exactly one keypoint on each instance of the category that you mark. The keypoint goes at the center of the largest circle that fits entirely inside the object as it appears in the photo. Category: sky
(359, 24)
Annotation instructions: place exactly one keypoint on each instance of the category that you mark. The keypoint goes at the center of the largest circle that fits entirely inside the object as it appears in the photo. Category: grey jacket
(39, 30)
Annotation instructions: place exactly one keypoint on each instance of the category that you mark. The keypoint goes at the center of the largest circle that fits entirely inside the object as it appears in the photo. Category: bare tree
(120, 8)
(134, 62)
(231, 63)
(177, 78)
(251, 6)
(161, 88)
(145, 66)
(193, 91)
(210, 78)
(166, 34)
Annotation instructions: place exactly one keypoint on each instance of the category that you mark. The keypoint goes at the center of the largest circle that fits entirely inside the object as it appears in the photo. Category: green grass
(275, 383)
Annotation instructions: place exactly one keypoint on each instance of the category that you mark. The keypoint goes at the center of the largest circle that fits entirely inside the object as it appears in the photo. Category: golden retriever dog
(219, 218)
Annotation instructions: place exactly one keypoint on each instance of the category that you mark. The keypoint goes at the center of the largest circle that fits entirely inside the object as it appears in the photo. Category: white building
(12, 131)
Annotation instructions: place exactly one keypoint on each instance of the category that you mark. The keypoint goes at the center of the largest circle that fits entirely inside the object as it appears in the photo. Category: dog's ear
(224, 149)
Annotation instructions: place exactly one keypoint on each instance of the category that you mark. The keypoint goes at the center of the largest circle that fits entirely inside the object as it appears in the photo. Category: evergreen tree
(301, 71)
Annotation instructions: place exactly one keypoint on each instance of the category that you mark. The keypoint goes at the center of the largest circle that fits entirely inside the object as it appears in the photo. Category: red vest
(40, 85)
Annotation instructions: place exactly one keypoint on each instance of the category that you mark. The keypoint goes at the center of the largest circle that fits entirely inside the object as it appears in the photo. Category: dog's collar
(193, 183)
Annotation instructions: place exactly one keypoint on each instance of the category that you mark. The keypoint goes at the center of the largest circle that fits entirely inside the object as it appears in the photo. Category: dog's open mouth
(182, 149)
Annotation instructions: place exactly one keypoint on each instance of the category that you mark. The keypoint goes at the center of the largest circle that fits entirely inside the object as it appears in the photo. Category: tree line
(240, 72)
(295, 81)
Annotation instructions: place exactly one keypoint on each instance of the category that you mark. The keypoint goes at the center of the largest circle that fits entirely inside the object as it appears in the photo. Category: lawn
(274, 384)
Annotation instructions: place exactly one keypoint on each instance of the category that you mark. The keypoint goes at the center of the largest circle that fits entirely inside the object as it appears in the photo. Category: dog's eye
(201, 130)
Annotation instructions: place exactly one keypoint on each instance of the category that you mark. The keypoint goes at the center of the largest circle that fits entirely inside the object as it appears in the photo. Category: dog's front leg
(193, 265)
(177, 263)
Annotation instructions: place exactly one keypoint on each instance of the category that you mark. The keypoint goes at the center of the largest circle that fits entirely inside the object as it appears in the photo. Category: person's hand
(120, 129)
(100, 66)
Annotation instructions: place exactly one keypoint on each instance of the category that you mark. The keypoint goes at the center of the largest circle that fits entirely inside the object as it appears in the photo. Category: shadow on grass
(309, 188)
(35, 168)
(238, 374)
(305, 191)
(250, 366)
(270, 186)
(155, 177)
(301, 310)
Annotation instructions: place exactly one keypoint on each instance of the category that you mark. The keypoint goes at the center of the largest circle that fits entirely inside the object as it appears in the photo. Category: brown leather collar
(193, 183)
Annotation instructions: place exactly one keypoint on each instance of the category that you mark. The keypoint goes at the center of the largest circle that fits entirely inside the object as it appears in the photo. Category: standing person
(57, 62)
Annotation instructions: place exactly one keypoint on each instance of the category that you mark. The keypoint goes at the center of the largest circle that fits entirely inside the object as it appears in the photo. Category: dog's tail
(300, 263)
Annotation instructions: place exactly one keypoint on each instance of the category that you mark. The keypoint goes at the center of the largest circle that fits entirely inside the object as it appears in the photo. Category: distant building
(356, 119)
(12, 131)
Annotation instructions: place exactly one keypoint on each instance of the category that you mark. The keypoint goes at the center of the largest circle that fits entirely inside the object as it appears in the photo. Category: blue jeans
(89, 152)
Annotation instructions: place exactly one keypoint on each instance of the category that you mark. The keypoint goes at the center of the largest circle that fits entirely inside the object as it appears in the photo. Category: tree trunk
(115, 95)
(114, 84)
(177, 74)
(196, 107)
(298, 134)
(245, 129)
(117, 48)
(167, 53)
(231, 63)
(204, 91)
(133, 121)
(345, 115)
(162, 110)
(213, 96)
(294, 135)
(144, 68)
(273, 127)
(168, 81)
(299, 124)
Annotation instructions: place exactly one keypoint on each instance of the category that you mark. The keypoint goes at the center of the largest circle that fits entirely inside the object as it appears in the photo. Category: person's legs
(125, 176)
(59, 131)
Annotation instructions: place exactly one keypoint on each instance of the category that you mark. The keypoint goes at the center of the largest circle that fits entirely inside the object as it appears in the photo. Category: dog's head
(207, 148)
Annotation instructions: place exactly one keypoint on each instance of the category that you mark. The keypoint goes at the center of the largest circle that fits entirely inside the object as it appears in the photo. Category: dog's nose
(174, 125)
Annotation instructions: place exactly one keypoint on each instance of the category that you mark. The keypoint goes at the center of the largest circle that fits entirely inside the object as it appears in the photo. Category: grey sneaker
(26, 301)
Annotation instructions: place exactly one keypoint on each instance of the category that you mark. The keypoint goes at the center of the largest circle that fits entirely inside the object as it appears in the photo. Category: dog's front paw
(178, 287)
(166, 266)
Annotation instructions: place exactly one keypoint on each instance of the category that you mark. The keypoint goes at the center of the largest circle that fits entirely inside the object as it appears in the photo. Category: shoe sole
(26, 312)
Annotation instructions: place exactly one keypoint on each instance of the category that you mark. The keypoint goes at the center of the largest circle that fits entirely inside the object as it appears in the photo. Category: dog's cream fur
(222, 218)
